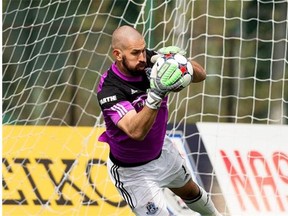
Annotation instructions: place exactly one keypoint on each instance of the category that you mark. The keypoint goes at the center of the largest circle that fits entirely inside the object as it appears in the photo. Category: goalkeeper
(142, 158)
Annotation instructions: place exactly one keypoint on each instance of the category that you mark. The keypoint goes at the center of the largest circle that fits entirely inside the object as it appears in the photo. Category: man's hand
(164, 77)
(171, 50)
(167, 50)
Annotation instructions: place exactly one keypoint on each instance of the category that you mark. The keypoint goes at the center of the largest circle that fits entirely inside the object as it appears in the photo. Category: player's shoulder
(110, 85)
(107, 80)
(108, 93)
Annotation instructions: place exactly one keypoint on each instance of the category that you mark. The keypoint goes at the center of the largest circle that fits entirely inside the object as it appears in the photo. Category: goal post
(53, 54)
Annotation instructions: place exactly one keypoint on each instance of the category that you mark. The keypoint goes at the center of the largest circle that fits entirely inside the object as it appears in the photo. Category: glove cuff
(153, 101)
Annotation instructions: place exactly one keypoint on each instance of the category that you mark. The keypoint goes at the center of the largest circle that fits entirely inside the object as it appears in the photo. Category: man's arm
(137, 125)
(199, 73)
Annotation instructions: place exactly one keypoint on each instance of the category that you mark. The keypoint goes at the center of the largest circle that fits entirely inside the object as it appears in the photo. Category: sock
(203, 204)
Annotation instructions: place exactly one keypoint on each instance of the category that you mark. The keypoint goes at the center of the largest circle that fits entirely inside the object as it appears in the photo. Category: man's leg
(142, 194)
(196, 198)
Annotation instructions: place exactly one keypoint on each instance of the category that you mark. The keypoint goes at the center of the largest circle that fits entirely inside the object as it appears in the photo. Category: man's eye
(136, 53)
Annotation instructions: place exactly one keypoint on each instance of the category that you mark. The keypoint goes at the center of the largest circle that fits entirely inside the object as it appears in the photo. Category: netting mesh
(55, 51)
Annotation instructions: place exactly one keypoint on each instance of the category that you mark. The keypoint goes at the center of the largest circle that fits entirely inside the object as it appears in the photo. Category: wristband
(153, 101)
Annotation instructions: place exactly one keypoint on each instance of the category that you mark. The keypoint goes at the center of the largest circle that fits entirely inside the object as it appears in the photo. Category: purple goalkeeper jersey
(118, 94)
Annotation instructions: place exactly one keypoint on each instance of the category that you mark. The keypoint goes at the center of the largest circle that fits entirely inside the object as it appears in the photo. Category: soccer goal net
(53, 54)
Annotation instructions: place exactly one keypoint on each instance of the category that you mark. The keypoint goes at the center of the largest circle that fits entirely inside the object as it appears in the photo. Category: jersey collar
(123, 76)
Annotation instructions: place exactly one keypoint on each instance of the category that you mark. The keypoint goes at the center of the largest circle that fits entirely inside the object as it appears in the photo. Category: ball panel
(180, 59)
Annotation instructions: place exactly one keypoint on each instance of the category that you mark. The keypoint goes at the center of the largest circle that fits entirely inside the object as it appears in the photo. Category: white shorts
(141, 186)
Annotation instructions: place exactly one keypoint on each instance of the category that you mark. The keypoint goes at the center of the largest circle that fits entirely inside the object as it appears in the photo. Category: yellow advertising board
(51, 170)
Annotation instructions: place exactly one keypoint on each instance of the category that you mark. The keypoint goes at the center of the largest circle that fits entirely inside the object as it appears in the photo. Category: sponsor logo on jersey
(151, 208)
(108, 99)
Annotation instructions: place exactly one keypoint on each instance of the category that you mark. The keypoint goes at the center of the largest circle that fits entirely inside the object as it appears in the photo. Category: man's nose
(142, 57)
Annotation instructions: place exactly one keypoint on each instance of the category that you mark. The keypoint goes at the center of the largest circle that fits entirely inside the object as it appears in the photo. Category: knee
(189, 191)
(191, 194)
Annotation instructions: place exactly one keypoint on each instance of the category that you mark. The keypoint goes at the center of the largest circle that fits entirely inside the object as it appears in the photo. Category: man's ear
(117, 53)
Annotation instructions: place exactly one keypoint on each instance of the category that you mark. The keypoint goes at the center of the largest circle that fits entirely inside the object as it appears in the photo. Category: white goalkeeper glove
(164, 77)
(168, 50)
(171, 50)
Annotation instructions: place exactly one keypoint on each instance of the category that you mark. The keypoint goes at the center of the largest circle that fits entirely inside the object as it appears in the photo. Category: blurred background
(55, 51)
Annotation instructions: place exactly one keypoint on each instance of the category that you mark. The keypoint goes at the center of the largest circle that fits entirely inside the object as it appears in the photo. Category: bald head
(125, 35)
(129, 51)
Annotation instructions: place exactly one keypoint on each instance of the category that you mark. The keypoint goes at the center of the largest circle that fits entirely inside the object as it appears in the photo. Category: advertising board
(57, 170)
(251, 165)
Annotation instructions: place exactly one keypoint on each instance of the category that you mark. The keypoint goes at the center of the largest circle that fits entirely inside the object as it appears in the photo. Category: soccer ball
(185, 67)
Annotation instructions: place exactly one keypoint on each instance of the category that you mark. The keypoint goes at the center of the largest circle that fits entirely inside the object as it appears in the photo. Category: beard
(136, 71)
